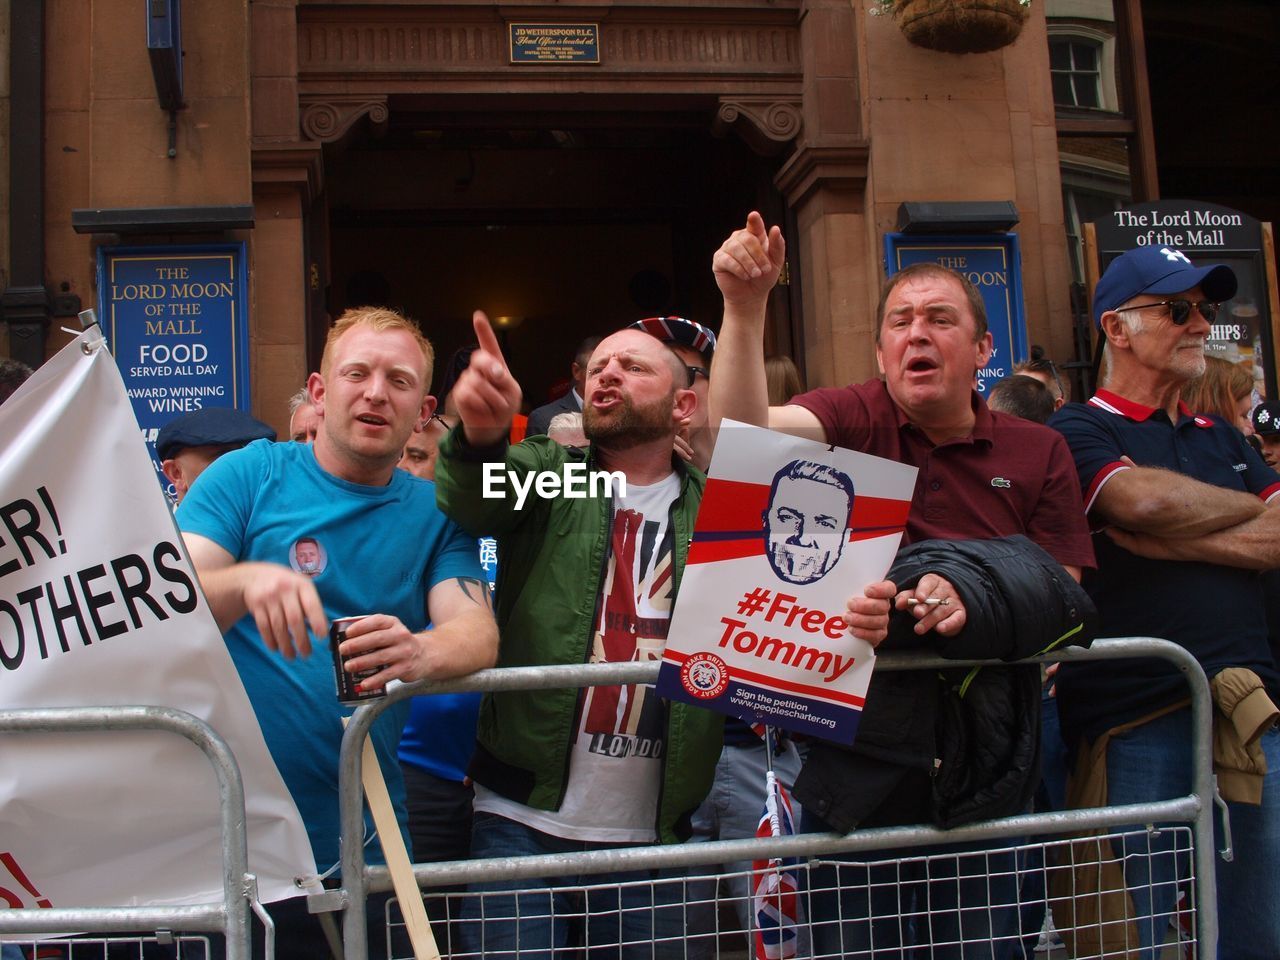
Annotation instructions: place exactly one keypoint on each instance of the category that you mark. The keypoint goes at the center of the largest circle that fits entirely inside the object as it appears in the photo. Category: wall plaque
(558, 43)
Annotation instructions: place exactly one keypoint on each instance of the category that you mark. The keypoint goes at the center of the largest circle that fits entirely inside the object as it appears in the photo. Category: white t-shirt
(616, 759)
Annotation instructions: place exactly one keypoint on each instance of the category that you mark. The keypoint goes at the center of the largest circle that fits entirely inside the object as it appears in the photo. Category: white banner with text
(99, 606)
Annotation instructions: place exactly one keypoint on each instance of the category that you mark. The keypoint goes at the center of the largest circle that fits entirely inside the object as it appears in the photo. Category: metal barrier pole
(232, 915)
(355, 890)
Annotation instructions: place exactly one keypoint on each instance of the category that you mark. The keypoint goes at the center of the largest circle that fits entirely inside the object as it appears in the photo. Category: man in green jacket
(586, 573)
(591, 549)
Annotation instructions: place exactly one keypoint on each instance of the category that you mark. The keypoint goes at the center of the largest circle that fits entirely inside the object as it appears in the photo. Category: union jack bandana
(682, 331)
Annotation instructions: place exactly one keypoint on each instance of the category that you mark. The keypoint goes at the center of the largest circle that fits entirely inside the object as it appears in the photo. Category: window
(1075, 65)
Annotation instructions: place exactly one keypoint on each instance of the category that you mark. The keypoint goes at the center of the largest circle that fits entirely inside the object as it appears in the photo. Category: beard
(628, 424)
(1191, 366)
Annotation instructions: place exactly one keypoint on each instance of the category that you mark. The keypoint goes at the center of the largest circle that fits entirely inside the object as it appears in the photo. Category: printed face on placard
(807, 521)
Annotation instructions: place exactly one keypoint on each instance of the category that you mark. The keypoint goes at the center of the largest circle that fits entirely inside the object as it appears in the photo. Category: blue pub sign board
(174, 318)
(992, 263)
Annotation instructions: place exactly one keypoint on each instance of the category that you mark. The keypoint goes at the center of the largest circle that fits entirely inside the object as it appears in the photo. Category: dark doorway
(571, 223)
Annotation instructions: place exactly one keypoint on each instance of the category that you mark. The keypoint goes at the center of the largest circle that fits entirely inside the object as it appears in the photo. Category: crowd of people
(1142, 511)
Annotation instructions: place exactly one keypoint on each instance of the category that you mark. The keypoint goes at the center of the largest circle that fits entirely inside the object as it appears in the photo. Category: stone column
(824, 182)
(287, 172)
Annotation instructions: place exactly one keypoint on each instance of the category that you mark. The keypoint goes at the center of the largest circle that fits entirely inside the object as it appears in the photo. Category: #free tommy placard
(788, 530)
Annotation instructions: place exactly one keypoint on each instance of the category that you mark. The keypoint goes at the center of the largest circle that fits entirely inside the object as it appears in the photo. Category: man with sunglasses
(1186, 514)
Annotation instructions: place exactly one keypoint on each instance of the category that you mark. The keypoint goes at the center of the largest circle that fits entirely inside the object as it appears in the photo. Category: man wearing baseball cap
(1186, 514)
(695, 345)
(1266, 427)
(187, 445)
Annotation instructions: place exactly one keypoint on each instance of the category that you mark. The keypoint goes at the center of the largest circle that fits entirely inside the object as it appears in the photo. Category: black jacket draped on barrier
(978, 730)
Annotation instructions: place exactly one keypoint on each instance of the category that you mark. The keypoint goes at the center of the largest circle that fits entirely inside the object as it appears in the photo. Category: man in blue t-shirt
(286, 537)
(1187, 516)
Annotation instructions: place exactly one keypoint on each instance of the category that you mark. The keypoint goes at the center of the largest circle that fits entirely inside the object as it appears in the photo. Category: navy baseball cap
(679, 330)
(1266, 418)
(210, 427)
(1158, 270)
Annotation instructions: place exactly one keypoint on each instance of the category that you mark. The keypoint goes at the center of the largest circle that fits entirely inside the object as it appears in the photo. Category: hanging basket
(960, 26)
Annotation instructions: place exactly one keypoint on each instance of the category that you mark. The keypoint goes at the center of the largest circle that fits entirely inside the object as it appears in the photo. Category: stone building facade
(392, 150)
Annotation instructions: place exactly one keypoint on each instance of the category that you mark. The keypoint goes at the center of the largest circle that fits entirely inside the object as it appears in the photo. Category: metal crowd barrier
(686, 877)
(229, 916)
(687, 868)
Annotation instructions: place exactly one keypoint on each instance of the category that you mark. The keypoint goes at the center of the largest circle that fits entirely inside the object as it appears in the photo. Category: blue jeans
(632, 914)
(1152, 762)
(954, 902)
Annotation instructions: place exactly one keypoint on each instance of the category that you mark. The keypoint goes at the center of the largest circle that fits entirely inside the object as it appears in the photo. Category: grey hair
(1134, 324)
(299, 399)
(1133, 320)
(568, 420)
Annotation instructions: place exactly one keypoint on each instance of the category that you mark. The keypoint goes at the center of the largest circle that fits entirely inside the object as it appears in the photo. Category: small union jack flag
(774, 881)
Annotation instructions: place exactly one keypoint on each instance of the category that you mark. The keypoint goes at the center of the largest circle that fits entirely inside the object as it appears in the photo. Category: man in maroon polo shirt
(982, 474)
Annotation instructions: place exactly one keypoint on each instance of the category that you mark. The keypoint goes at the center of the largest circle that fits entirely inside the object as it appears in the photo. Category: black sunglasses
(694, 371)
(1180, 310)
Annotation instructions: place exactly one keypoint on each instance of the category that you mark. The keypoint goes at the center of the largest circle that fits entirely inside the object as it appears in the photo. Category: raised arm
(463, 638)
(746, 268)
(283, 603)
(486, 394)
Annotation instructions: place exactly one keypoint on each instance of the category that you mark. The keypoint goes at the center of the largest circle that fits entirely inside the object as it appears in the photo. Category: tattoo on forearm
(477, 591)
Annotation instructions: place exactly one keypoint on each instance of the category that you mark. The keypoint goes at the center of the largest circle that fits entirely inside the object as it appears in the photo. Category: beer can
(345, 680)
